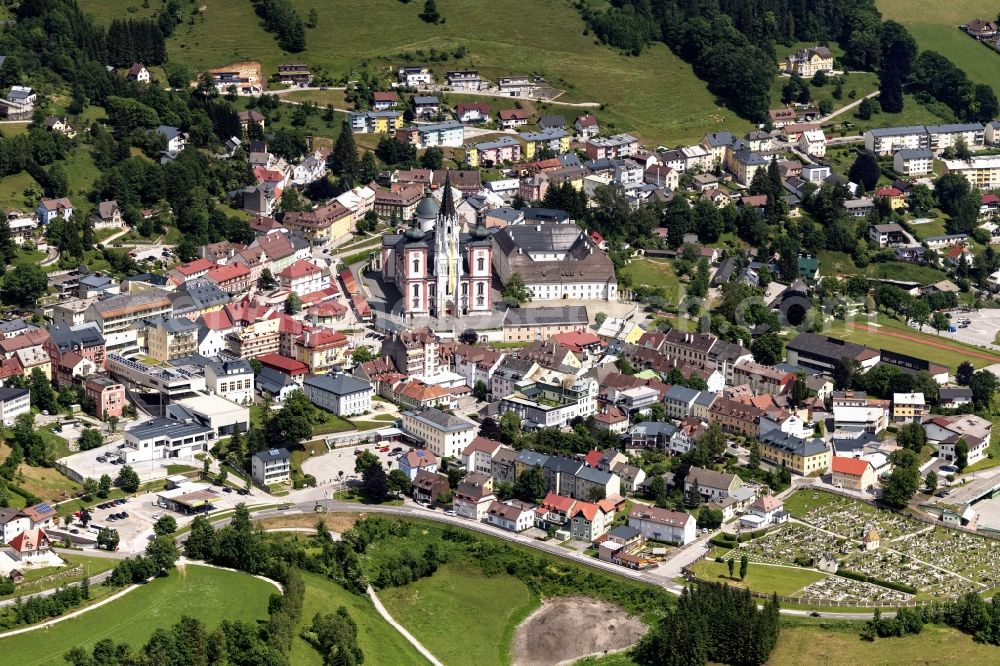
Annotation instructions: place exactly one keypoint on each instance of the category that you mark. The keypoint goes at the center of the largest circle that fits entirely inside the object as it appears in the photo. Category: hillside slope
(655, 95)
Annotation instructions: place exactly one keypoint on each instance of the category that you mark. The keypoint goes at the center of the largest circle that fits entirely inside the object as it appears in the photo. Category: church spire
(447, 200)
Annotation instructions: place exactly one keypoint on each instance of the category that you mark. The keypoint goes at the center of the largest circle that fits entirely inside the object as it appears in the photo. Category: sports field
(211, 595)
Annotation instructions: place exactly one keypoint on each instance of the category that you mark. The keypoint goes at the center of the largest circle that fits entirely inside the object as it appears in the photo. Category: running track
(882, 330)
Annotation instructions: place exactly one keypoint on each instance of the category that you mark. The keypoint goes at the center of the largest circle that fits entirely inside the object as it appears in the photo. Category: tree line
(135, 40)
(712, 622)
(281, 18)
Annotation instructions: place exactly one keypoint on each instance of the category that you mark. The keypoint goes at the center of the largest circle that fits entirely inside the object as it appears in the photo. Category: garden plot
(847, 591)
(898, 568)
(971, 556)
(786, 545)
(851, 518)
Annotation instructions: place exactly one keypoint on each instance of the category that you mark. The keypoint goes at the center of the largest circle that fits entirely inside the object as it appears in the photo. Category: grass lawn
(913, 113)
(437, 610)
(934, 25)
(862, 83)
(81, 173)
(92, 566)
(653, 273)
(548, 40)
(802, 502)
(786, 581)
(320, 97)
(45, 482)
(380, 642)
(210, 595)
(840, 263)
(838, 643)
(12, 190)
(933, 228)
(950, 356)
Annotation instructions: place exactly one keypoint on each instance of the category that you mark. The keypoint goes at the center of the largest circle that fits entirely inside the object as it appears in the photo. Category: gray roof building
(338, 384)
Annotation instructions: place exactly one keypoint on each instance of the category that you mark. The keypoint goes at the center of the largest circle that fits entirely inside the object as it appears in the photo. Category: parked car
(74, 531)
(950, 469)
(450, 512)
(384, 449)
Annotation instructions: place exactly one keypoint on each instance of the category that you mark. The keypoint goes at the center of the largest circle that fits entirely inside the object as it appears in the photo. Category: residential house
(712, 486)
(107, 215)
(176, 140)
(472, 112)
(764, 511)
(613, 147)
(590, 520)
(30, 546)
(852, 473)
(383, 100)
(429, 486)
(954, 397)
(679, 401)
(414, 76)
(466, 79)
(107, 394)
(662, 525)
(513, 515)
(321, 350)
(806, 457)
(478, 455)
(913, 162)
(586, 127)
(13, 402)
(271, 467)
(946, 431)
(303, 277)
(50, 209)
(473, 496)
(414, 461)
(908, 407)
(809, 61)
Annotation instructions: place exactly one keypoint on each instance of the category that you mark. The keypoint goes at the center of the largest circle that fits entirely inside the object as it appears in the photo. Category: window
(481, 264)
(416, 265)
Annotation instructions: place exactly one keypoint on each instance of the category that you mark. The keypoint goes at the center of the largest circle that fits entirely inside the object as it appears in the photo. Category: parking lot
(338, 466)
(982, 328)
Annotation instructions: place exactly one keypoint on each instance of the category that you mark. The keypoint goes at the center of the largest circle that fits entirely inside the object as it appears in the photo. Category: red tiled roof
(28, 540)
(217, 320)
(889, 192)
(323, 338)
(577, 340)
(284, 364)
(267, 175)
(558, 502)
(480, 443)
(853, 466)
(514, 114)
(196, 266)
(228, 272)
(483, 107)
(593, 458)
(386, 96)
(300, 268)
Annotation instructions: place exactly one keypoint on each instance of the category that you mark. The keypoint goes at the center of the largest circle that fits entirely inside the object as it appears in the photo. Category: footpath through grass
(461, 615)
(380, 642)
(211, 595)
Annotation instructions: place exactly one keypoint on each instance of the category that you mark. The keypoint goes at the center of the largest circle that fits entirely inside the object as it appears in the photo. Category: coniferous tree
(343, 160)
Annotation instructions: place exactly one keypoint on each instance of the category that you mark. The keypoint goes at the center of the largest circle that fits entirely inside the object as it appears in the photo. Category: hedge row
(864, 578)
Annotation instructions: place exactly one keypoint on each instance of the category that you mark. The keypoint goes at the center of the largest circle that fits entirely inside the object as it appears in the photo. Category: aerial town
(431, 343)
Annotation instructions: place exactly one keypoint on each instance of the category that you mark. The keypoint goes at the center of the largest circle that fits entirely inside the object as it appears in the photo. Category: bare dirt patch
(566, 629)
(338, 522)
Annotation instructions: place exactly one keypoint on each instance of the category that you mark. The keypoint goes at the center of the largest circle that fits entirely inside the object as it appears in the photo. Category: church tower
(448, 258)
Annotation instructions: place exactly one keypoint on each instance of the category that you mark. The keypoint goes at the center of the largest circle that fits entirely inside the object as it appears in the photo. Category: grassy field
(32, 582)
(380, 642)
(913, 113)
(437, 610)
(548, 40)
(840, 263)
(786, 581)
(45, 482)
(949, 357)
(838, 643)
(211, 595)
(12, 190)
(862, 83)
(653, 273)
(933, 228)
(819, 643)
(934, 24)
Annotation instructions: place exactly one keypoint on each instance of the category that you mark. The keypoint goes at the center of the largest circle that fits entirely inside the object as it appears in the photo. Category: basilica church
(440, 268)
